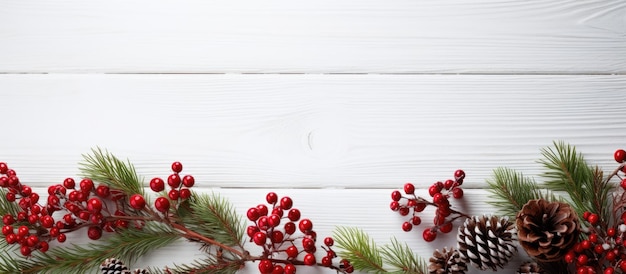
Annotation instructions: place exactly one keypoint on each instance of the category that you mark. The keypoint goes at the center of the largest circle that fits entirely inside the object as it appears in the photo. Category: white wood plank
(321, 36)
(367, 209)
(307, 131)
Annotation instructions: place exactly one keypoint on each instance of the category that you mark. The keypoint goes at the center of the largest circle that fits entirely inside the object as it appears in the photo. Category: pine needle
(7, 207)
(512, 190)
(128, 245)
(104, 167)
(401, 257)
(214, 217)
(568, 171)
(358, 248)
(208, 265)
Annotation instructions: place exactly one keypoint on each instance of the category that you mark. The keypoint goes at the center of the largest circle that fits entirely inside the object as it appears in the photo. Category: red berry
(419, 207)
(14, 180)
(277, 236)
(11, 197)
(253, 214)
(293, 215)
(3, 168)
(278, 269)
(394, 205)
(137, 201)
(251, 230)
(32, 240)
(61, 238)
(593, 238)
(8, 219)
(7, 230)
(43, 246)
(273, 220)
(173, 180)
(582, 259)
(11, 238)
(610, 232)
(94, 205)
(173, 194)
(25, 250)
(86, 185)
(619, 155)
(262, 209)
(290, 269)
(69, 183)
(263, 223)
(157, 184)
(177, 167)
(593, 219)
(34, 198)
(266, 266)
(271, 198)
(26, 191)
(292, 251)
(416, 220)
(609, 270)
(162, 204)
(406, 226)
(438, 198)
(396, 195)
(623, 183)
(259, 238)
(404, 211)
(185, 193)
(459, 174)
(409, 188)
(328, 241)
(22, 231)
(448, 184)
(309, 259)
(286, 203)
(308, 244)
(94, 232)
(290, 228)
(429, 235)
(457, 193)
(188, 181)
(585, 244)
(327, 261)
(446, 228)
(432, 190)
(103, 191)
(305, 225)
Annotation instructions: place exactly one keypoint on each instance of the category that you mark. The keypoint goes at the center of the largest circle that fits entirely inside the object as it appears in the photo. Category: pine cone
(446, 262)
(113, 266)
(547, 230)
(486, 242)
(530, 268)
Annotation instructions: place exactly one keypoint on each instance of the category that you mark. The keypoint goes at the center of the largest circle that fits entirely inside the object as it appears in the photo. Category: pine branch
(512, 190)
(568, 171)
(359, 249)
(401, 256)
(7, 207)
(215, 217)
(127, 245)
(104, 167)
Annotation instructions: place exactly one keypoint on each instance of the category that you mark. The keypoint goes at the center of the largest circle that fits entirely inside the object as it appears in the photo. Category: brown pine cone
(547, 230)
(486, 241)
(530, 268)
(446, 262)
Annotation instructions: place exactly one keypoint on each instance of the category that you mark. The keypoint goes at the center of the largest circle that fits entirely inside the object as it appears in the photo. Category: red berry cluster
(440, 192)
(82, 205)
(602, 251)
(179, 190)
(282, 247)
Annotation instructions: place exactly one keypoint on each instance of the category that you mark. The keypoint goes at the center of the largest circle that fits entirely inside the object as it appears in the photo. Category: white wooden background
(334, 103)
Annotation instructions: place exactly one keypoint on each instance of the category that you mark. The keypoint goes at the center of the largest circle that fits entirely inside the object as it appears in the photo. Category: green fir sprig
(127, 245)
(567, 170)
(363, 253)
(104, 167)
(511, 190)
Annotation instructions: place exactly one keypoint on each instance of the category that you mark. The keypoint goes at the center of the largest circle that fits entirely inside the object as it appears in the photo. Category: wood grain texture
(324, 36)
(308, 131)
